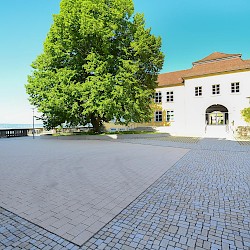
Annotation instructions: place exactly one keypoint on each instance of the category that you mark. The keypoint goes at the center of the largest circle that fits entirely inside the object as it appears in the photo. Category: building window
(158, 116)
(198, 91)
(170, 96)
(235, 87)
(216, 89)
(170, 116)
(158, 97)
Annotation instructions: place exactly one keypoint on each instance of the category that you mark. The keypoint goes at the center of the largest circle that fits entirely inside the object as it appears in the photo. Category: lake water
(10, 126)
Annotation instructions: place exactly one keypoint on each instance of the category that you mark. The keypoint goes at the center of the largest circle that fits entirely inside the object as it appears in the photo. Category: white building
(205, 100)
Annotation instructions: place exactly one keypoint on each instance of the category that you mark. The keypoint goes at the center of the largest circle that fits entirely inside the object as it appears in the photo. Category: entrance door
(217, 115)
(216, 118)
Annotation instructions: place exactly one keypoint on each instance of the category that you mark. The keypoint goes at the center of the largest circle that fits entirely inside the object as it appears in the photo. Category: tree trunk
(96, 123)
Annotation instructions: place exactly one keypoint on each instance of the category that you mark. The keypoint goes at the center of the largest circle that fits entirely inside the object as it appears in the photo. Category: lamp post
(33, 127)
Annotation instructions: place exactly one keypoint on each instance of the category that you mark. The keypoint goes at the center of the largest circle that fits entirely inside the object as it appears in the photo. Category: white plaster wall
(234, 102)
(190, 110)
(177, 106)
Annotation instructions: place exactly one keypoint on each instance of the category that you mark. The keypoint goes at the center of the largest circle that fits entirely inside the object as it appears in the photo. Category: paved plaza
(130, 194)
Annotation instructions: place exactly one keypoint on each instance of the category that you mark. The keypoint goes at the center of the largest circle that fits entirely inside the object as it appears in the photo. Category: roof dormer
(215, 57)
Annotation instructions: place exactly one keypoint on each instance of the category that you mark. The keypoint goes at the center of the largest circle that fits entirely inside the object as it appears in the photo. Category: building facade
(205, 100)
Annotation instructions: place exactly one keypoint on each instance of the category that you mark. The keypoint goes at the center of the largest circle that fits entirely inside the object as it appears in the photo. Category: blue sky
(190, 30)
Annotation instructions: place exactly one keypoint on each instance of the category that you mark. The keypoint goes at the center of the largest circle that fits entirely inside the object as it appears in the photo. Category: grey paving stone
(202, 202)
(62, 184)
(43, 238)
(194, 198)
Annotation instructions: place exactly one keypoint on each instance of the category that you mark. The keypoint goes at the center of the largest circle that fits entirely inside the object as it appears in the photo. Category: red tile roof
(213, 64)
(217, 56)
(172, 78)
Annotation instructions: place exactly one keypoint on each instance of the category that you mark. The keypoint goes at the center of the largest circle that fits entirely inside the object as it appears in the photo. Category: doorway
(217, 115)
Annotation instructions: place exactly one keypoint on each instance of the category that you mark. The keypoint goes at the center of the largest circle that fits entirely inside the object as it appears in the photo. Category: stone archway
(217, 115)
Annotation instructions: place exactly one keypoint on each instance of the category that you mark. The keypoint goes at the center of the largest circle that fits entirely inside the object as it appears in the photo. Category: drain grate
(177, 139)
(244, 143)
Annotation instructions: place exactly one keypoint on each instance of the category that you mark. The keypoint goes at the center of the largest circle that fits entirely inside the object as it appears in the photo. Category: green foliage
(246, 114)
(99, 62)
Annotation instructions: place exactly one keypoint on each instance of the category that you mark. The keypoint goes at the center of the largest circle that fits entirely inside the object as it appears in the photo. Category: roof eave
(217, 59)
(171, 85)
(216, 73)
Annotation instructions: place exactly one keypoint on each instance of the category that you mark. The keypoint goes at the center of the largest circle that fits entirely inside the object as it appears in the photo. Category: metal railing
(13, 132)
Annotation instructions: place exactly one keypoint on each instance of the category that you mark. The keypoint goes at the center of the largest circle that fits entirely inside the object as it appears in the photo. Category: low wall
(6, 133)
(104, 137)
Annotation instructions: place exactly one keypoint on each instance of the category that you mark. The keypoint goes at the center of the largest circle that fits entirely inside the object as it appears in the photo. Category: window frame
(170, 96)
(235, 87)
(158, 97)
(170, 115)
(198, 91)
(216, 89)
(158, 116)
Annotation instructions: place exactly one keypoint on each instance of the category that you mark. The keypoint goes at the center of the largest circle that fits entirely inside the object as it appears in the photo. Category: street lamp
(33, 127)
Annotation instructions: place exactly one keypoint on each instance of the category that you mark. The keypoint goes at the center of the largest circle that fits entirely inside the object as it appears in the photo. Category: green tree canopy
(246, 114)
(99, 63)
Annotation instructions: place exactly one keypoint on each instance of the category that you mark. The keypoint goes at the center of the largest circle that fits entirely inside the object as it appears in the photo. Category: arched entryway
(217, 115)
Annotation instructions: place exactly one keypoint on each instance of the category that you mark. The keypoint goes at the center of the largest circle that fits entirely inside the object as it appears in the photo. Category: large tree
(99, 63)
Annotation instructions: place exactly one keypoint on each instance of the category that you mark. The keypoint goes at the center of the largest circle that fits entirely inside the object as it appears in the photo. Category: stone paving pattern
(18, 233)
(203, 143)
(177, 139)
(73, 188)
(202, 202)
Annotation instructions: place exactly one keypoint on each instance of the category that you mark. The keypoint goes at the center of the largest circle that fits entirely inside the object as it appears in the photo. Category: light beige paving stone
(68, 237)
(106, 218)
(66, 228)
(95, 226)
(77, 182)
(78, 229)
(82, 237)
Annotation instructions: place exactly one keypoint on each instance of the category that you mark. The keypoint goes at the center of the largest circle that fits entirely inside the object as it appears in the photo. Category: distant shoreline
(16, 126)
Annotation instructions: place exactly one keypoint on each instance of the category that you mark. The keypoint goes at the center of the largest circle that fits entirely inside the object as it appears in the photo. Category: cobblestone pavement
(202, 202)
(18, 233)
